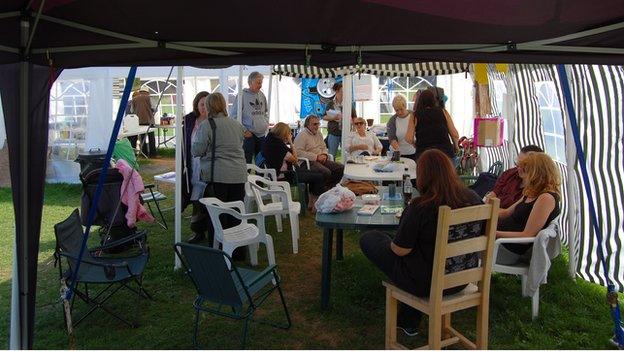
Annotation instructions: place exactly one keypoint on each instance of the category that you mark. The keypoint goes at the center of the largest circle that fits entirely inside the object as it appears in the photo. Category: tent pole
(572, 187)
(270, 93)
(23, 233)
(239, 100)
(14, 327)
(178, 163)
(347, 101)
(223, 83)
(277, 98)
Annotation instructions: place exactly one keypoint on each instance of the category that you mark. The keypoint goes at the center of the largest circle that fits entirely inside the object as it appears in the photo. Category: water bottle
(389, 153)
(407, 187)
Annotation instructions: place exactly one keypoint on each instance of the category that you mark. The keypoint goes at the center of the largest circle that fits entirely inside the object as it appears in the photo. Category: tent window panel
(552, 122)
(389, 87)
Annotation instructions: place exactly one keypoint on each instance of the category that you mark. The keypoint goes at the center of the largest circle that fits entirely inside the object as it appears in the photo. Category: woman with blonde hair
(226, 173)
(361, 141)
(539, 204)
(400, 129)
(281, 156)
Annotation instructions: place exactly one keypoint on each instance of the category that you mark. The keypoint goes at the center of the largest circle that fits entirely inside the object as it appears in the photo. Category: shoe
(408, 331)
(197, 237)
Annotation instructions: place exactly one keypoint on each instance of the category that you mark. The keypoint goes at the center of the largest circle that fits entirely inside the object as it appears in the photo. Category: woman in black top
(434, 126)
(539, 204)
(408, 258)
(280, 156)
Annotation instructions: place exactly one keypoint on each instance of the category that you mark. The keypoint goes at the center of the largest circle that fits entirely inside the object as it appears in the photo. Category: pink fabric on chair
(131, 190)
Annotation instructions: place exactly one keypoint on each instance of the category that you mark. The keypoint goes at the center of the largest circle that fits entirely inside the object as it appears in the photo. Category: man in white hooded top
(255, 116)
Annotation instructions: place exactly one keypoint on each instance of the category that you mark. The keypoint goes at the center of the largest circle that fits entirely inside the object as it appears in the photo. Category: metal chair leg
(245, 327)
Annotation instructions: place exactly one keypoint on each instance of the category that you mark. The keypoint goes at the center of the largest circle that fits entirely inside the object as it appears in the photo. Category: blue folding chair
(229, 292)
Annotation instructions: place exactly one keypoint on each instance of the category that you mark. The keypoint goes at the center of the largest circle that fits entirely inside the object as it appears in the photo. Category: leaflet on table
(368, 210)
(390, 209)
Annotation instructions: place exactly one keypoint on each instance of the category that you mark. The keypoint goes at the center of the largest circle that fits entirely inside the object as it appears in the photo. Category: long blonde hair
(542, 175)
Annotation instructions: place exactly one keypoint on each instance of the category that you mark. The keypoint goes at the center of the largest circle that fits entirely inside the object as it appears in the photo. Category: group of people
(530, 200)
(218, 149)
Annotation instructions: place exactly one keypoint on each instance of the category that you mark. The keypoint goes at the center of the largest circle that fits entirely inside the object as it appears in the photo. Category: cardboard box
(488, 132)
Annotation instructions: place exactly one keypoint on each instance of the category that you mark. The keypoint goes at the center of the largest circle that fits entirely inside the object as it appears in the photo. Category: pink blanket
(131, 190)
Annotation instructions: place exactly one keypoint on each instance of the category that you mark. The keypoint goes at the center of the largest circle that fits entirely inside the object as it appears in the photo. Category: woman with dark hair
(191, 121)
(433, 126)
(408, 258)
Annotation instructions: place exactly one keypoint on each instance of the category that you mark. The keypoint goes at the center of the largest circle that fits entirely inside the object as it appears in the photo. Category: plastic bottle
(407, 187)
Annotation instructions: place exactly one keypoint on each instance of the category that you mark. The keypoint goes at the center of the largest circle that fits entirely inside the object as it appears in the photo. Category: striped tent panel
(529, 128)
(489, 155)
(597, 97)
(389, 70)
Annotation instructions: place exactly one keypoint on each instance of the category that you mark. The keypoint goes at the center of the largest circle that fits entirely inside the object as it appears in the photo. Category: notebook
(367, 210)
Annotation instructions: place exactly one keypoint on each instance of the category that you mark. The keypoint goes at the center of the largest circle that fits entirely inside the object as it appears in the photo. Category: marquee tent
(39, 37)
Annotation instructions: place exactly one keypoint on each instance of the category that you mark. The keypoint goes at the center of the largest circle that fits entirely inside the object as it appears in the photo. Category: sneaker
(408, 331)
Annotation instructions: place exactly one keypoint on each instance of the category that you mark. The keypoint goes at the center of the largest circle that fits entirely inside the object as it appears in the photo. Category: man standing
(309, 143)
(508, 187)
(142, 107)
(255, 116)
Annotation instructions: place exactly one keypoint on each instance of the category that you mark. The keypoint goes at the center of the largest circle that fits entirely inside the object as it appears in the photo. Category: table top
(351, 220)
(164, 126)
(140, 130)
(365, 171)
(169, 177)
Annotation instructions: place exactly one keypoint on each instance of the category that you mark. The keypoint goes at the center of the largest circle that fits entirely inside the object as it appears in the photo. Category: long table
(364, 171)
(349, 220)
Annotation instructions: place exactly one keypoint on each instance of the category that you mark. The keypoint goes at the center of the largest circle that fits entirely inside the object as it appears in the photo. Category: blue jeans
(333, 141)
(252, 146)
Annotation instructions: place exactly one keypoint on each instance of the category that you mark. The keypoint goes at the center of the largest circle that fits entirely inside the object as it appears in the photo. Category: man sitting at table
(508, 187)
(309, 143)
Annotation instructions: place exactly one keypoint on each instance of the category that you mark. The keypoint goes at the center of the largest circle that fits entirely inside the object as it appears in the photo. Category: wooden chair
(439, 307)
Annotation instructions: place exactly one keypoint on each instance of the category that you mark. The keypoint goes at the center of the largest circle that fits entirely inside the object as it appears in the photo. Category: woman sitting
(281, 156)
(408, 258)
(538, 206)
(361, 141)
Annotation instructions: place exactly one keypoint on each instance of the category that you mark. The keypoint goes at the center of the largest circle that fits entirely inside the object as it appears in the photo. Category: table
(165, 128)
(141, 132)
(365, 171)
(348, 220)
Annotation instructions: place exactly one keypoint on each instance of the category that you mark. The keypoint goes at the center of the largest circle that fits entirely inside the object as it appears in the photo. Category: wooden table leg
(328, 240)
(339, 246)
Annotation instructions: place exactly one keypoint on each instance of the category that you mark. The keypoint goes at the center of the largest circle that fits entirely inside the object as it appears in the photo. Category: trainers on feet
(408, 331)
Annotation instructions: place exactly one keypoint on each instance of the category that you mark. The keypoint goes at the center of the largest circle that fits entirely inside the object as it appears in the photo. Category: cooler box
(488, 131)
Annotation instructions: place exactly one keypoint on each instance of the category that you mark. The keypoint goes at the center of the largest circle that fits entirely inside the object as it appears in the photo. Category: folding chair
(226, 290)
(114, 273)
(154, 196)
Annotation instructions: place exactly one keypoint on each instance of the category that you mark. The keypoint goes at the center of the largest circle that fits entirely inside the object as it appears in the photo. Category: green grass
(573, 314)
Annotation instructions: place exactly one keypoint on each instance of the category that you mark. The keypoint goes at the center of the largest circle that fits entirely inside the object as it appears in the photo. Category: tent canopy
(79, 33)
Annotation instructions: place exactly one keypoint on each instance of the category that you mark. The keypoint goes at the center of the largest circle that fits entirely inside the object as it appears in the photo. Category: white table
(169, 177)
(365, 171)
(140, 133)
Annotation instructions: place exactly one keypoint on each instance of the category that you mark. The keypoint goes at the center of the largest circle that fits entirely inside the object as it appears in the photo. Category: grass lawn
(573, 314)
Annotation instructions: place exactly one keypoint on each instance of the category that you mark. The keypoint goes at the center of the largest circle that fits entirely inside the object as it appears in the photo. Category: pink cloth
(131, 190)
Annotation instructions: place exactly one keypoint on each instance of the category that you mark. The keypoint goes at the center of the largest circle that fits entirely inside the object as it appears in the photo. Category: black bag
(107, 212)
(484, 183)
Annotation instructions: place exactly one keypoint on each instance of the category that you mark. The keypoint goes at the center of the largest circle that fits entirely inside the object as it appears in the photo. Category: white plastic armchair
(281, 203)
(304, 161)
(522, 268)
(268, 173)
(244, 234)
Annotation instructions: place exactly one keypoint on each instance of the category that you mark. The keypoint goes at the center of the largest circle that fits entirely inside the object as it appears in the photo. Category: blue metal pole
(98, 191)
(612, 298)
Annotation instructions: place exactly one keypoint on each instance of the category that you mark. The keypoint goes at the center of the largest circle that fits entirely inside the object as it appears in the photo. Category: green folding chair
(229, 292)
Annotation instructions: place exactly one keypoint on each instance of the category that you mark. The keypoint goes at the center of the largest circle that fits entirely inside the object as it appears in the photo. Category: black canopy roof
(78, 33)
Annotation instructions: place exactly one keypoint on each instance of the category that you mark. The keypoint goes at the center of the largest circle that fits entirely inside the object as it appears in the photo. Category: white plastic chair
(521, 268)
(267, 173)
(244, 234)
(281, 203)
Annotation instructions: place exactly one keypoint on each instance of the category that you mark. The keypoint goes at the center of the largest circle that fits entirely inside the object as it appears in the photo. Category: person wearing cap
(361, 141)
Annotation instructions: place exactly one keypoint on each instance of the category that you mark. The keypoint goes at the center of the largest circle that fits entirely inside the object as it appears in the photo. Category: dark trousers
(148, 147)
(201, 222)
(314, 180)
(376, 247)
(252, 146)
(331, 171)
